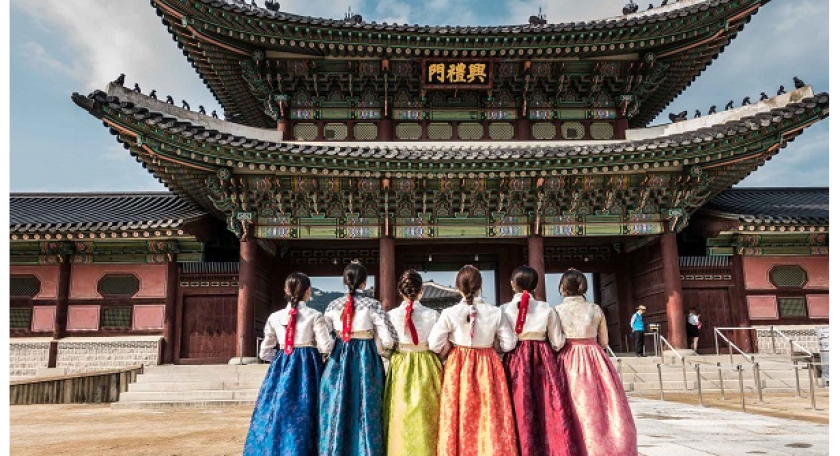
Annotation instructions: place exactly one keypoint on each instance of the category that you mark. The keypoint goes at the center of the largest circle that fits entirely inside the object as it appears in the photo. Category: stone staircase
(216, 386)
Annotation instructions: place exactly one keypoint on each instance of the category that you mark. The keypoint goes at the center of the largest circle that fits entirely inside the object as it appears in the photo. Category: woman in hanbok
(476, 415)
(285, 418)
(537, 384)
(412, 388)
(354, 379)
(603, 422)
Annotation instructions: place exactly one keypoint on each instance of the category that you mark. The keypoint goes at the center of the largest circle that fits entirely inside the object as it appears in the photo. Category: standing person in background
(692, 328)
(476, 416)
(603, 423)
(285, 419)
(354, 378)
(412, 388)
(537, 384)
(637, 323)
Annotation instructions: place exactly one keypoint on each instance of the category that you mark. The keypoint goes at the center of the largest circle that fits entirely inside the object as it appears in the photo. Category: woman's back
(580, 319)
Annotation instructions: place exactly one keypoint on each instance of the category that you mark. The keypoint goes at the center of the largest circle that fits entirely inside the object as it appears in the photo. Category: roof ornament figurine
(746, 101)
(539, 19)
(185, 105)
(697, 114)
(201, 110)
(170, 100)
(254, 4)
(713, 110)
(664, 2)
(798, 83)
(153, 94)
(215, 116)
(763, 96)
(781, 90)
(729, 105)
(137, 88)
(351, 18)
(630, 8)
(272, 5)
(120, 81)
(650, 6)
(681, 117)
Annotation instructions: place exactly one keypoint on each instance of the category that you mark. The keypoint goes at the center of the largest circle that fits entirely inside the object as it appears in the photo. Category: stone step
(181, 404)
(210, 395)
(200, 369)
(710, 385)
(205, 377)
(191, 386)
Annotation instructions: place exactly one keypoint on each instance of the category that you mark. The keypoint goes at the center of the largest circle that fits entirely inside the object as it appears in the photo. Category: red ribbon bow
(347, 320)
(290, 332)
(523, 312)
(410, 324)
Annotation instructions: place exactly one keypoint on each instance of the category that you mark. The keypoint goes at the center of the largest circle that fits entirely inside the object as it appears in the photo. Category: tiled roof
(433, 291)
(773, 206)
(98, 212)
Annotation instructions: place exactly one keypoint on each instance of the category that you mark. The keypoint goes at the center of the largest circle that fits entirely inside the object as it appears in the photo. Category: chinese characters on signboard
(457, 74)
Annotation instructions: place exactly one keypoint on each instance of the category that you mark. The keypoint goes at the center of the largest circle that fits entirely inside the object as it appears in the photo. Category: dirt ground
(92, 430)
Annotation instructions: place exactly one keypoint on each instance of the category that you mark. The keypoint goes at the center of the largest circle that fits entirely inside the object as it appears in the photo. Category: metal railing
(731, 345)
(793, 345)
(662, 358)
(617, 360)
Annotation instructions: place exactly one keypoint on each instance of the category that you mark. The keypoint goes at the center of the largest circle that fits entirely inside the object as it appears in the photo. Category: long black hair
(297, 283)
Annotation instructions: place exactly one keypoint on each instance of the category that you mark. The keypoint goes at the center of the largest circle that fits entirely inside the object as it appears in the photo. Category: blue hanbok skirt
(351, 401)
(285, 419)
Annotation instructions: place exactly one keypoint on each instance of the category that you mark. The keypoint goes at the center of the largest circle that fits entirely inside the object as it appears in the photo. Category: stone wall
(90, 354)
(27, 355)
(804, 335)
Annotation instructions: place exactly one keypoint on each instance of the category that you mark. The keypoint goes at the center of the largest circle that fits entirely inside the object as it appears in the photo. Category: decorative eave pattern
(557, 188)
(217, 36)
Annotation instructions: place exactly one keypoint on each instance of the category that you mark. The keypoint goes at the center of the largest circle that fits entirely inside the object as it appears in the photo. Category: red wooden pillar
(386, 130)
(506, 267)
(536, 259)
(285, 126)
(249, 252)
(673, 290)
(738, 304)
(387, 279)
(169, 325)
(65, 266)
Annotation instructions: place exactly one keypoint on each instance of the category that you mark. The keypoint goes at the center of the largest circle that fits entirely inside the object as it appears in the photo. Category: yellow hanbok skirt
(412, 401)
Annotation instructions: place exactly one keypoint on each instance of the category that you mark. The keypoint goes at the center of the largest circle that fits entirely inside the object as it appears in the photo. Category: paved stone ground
(665, 429)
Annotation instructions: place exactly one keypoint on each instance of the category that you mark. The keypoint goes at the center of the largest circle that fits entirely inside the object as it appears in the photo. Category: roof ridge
(91, 194)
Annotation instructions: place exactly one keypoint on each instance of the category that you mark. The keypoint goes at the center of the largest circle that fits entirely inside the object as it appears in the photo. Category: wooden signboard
(455, 74)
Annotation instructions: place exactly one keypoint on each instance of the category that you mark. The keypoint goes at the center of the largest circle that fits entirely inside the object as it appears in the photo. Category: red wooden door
(609, 303)
(209, 333)
(714, 309)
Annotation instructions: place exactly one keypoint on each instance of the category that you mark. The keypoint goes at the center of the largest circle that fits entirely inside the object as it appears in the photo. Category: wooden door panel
(609, 303)
(714, 308)
(209, 327)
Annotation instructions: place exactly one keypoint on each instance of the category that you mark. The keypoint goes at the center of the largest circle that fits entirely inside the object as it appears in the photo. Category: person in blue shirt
(637, 323)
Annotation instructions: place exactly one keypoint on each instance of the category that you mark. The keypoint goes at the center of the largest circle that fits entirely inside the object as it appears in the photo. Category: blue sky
(59, 47)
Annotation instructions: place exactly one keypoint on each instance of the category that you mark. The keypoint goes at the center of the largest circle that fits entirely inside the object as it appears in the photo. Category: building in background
(428, 148)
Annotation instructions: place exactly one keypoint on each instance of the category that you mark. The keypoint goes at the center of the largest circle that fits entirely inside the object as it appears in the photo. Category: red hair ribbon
(523, 311)
(290, 332)
(410, 324)
(472, 316)
(347, 319)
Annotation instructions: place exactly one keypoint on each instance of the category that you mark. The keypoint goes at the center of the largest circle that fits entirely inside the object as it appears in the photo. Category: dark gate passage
(209, 328)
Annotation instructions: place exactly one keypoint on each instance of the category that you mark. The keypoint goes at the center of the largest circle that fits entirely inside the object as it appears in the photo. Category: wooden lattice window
(792, 307)
(440, 131)
(365, 131)
(573, 130)
(335, 131)
(306, 132)
(27, 286)
(470, 131)
(601, 131)
(544, 130)
(501, 131)
(118, 285)
(20, 317)
(788, 277)
(115, 318)
(409, 131)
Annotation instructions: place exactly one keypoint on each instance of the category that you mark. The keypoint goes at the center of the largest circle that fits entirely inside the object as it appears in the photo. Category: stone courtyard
(665, 429)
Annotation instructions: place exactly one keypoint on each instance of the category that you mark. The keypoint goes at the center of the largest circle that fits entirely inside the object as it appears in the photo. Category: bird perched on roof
(697, 114)
(201, 110)
(170, 100)
(763, 97)
(746, 101)
(120, 81)
(153, 94)
(781, 90)
(713, 110)
(650, 6)
(272, 5)
(678, 117)
(630, 8)
(729, 105)
(664, 2)
(215, 116)
(137, 88)
(798, 83)
(185, 105)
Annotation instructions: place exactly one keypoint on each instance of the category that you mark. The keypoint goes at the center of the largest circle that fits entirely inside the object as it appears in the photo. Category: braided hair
(410, 285)
(468, 281)
(354, 276)
(525, 280)
(297, 283)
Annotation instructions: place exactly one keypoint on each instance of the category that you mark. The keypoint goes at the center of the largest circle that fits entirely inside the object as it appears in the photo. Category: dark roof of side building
(788, 205)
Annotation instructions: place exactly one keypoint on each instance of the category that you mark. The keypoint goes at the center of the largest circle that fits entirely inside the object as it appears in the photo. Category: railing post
(791, 348)
(661, 386)
(757, 374)
(699, 385)
(620, 374)
(773, 338)
(741, 386)
(717, 345)
(796, 370)
(685, 376)
(720, 379)
(731, 359)
(811, 374)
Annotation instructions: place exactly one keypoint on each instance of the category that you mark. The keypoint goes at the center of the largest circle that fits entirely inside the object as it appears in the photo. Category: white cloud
(39, 56)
